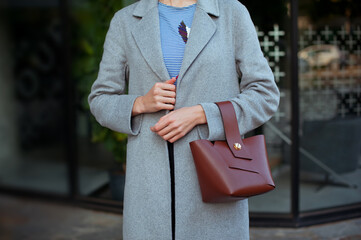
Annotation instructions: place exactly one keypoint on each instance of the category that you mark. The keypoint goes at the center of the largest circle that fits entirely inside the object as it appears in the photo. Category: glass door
(32, 98)
(272, 24)
(330, 103)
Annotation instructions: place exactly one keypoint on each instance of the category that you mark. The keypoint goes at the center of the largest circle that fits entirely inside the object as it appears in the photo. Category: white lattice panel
(329, 87)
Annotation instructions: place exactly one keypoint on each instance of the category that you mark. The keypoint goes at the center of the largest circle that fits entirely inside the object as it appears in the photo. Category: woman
(170, 102)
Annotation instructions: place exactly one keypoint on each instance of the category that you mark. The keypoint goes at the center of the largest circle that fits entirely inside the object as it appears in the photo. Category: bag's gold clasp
(237, 146)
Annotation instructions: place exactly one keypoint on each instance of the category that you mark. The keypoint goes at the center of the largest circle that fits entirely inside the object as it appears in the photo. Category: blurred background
(51, 146)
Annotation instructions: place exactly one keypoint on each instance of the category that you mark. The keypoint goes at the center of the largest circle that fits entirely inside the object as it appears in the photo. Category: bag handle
(233, 136)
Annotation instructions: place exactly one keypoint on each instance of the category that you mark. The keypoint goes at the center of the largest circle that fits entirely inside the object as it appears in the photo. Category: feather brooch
(184, 31)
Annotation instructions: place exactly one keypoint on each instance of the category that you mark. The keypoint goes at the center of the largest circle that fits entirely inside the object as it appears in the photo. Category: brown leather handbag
(234, 169)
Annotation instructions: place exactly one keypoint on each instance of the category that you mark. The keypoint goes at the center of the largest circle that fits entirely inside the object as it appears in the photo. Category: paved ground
(24, 219)
(345, 230)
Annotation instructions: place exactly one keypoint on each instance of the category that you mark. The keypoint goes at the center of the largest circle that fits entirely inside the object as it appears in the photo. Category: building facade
(51, 147)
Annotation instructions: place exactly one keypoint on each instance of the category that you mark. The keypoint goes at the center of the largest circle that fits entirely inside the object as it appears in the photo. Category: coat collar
(209, 6)
(146, 34)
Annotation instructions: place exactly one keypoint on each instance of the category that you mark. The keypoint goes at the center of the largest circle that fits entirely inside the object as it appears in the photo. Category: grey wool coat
(222, 48)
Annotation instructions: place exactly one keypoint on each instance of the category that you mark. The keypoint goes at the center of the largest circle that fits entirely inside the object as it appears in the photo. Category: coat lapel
(203, 28)
(147, 36)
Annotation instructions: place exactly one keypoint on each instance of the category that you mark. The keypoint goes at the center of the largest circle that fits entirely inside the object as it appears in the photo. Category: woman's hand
(160, 97)
(178, 123)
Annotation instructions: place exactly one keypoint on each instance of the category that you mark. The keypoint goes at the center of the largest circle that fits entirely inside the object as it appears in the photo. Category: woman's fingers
(167, 87)
(174, 138)
(161, 96)
(166, 93)
(171, 81)
(169, 100)
(166, 106)
(178, 123)
(176, 134)
(164, 86)
(173, 133)
(166, 132)
(161, 124)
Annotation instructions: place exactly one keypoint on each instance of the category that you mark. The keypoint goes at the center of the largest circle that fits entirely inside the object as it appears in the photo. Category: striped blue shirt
(175, 25)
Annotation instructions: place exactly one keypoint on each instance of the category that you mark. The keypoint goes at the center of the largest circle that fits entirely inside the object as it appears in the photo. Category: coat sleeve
(259, 96)
(108, 103)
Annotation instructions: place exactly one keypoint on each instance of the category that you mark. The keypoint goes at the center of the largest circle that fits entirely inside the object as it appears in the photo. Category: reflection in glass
(330, 103)
(101, 152)
(32, 106)
(272, 24)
